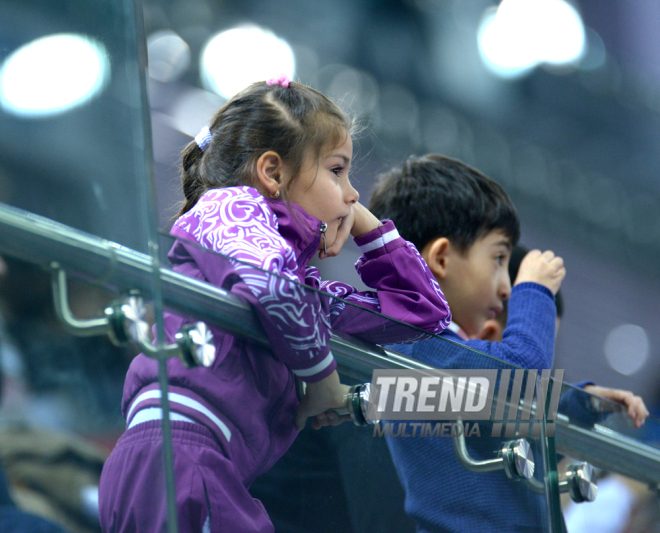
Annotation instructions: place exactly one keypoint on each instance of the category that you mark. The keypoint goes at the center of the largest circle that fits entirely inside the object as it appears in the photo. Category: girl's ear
(269, 171)
(437, 253)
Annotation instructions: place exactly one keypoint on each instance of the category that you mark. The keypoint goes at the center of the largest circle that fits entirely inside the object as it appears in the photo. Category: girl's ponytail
(192, 184)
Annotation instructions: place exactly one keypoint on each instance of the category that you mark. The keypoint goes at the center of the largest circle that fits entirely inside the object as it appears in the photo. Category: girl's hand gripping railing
(357, 402)
(124, 322)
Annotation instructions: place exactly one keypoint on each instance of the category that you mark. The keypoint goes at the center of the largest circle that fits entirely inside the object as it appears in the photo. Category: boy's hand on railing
(545, 268)
(321, 397)
(636, 408)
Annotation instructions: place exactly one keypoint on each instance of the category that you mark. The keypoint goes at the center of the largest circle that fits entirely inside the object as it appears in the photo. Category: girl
(267, 186)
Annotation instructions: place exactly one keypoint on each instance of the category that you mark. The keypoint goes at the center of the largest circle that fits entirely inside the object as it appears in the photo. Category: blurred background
(557, 100)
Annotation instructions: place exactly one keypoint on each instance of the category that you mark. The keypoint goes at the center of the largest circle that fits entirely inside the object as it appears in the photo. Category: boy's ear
(436, 254)
(492, 331)
(269, 170)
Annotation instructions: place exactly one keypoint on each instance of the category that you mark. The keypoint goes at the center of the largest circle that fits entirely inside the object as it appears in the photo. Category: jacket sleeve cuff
(320, 370)
(535, 286)
(380, 240)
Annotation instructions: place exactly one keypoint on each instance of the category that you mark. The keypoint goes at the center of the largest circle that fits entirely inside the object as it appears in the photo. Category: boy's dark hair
(291, 121)
(518, 253)
(434, 196)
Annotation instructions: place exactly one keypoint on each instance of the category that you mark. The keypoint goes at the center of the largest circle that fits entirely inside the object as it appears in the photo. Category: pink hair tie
(283, 81)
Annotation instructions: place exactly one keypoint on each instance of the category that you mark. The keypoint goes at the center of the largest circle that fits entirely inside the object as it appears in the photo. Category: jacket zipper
(324, 228)
(305, 256)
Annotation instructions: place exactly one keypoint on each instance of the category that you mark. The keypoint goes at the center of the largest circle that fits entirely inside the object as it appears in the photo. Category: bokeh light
(595, 56)
(519, 35)
(354, 90)
(169, 56)
(235, 58)
(627, 348)
(53, 74)
(193, 109)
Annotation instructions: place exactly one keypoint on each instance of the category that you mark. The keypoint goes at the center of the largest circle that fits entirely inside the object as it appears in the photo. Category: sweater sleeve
(406, 290)
(245, 232)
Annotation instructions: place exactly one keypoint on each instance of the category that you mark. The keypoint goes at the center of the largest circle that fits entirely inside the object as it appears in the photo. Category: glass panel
(75, 147)
(554, 518)
(60, 412)
(622, 502)
(608, 422)
(74, 136)
(592, 411)
(625, 460)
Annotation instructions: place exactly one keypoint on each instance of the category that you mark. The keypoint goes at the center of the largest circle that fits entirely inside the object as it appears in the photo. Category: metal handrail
(42, 241)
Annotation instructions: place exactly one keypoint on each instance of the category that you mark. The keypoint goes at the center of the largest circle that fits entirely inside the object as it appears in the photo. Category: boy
(465, 226)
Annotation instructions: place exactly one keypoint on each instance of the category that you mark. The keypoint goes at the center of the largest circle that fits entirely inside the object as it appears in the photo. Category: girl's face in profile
(324, 190)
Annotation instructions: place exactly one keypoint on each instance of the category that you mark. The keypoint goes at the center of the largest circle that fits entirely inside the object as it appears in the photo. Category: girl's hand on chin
(358, 222)
(343, 233)
(365, 221)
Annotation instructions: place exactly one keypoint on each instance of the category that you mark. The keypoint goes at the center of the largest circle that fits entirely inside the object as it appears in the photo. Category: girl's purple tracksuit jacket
(231, 422)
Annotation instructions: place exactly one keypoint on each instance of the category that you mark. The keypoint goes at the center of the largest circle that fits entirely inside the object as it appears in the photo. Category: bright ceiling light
(500, 49)
(235, 58)
(522, 34)
(53, 74)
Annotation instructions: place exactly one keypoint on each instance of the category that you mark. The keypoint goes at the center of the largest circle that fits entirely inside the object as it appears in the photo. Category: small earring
(276, 195)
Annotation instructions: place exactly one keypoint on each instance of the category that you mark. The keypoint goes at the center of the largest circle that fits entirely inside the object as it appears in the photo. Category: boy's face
(475, 282)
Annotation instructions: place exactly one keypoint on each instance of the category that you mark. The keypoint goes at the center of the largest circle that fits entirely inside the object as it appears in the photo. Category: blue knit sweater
(441, 495)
